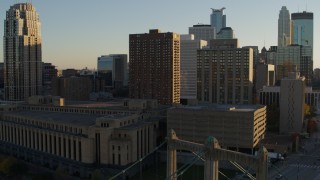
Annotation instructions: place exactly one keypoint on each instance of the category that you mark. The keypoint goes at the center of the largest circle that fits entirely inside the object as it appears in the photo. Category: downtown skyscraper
(154, 68)
(284, 28)
(218, 19)
(22, 52)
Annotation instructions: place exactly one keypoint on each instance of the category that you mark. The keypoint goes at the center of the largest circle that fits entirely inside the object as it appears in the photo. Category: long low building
(79, 138)
(234, 126)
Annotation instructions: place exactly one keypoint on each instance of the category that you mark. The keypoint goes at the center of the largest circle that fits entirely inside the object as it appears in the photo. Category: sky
(76, 32)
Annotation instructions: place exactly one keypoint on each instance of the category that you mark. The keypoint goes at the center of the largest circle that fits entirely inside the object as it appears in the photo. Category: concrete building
(292, 100)
(79, 139)
(154, 68)
(302, 28)
(1, 75)
(225, 33)
(72, 88)
(203, 32)
(234, 126)
(218, 19)
(188, 66)
(22, 52)
(265, 75)
(225, 75)
(114, 68)
(284, 27)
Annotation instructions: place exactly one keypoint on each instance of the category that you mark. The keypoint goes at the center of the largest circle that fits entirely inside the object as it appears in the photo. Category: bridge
(212, 153)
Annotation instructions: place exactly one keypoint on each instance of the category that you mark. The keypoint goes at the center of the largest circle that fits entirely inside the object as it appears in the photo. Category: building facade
(72, 88)
(76, 138)
(302, 28)
(114, 69)
(225, 33)
(265, 76)
(188, 66)
(22, 52)
(225, 75)
(292, 100)
(49, 72)
(154, 69)
(284, 27)
(218, 19)
(234, 126)
(203, 32)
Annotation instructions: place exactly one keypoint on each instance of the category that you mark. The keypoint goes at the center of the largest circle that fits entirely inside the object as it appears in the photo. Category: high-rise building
(114, 68)
(292, 100)
(226, 33)
(225, 75)
(302, 28)
(188, 66)
(203, 32)
(284, 28)
(22, 52)
(49, 72)
(264, 75)
(218, 19)
(294, 58)
(154, 68)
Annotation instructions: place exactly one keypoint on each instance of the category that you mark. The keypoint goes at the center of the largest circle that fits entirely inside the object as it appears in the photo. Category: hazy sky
(76, 32)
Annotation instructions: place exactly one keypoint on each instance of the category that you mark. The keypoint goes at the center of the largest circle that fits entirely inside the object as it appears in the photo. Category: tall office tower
(302, 28)
(292, 100)
(22, 52)
(284, 28)
(294, 58)
(114, 68)
(225, 75)
(264, 75)
(256, 58)
(226, 33)
(203, 32)
(218, 19)
(188, 66)
(49, 72)
(154, 68)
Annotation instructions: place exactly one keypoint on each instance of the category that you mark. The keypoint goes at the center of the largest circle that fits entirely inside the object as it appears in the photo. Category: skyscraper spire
(284, 28)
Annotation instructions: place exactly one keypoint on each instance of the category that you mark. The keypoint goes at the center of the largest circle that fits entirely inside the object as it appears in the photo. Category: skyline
(77, 43)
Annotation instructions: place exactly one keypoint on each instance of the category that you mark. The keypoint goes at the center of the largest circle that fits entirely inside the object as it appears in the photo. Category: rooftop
(224, 107)
(58, 117)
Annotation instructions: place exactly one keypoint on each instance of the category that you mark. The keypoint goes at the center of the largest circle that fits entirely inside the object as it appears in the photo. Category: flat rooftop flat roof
(58, 117)
(223, 107)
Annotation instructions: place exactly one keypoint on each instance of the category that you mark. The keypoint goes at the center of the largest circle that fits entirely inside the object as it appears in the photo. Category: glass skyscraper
(302, 28)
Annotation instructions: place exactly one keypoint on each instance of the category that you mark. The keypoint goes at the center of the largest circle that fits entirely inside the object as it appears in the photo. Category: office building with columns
(80, 138)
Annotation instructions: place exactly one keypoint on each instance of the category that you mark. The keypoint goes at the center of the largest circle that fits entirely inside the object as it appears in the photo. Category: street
(302, 165)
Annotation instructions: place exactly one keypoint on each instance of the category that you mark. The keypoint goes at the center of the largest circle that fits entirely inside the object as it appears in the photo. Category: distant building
(70, 72)
(188, 66)
(49, 72)
(22, 52)
(302, 28)
(225, 33)
(1, 75)
(234, 126)
(292, 100)
(114, 69)
(284, 28)
(256, 58)
(294, 58)
(316, 74)
(203, 32)
(155, 66)
(225, 75)
(72, 88)
(265, 76)
(224, 43)
(218, 19)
